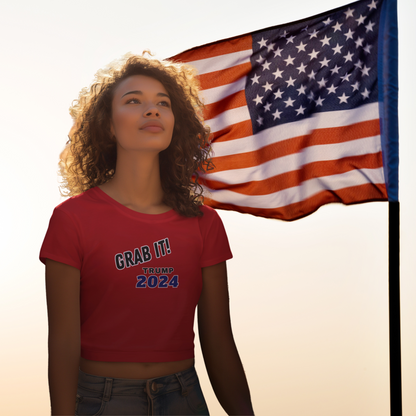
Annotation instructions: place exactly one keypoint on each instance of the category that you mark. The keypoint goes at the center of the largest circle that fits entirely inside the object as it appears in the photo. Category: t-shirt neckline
(138, 215)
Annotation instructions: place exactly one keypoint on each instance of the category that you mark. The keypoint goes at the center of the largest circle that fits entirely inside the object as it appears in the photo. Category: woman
(133, 251)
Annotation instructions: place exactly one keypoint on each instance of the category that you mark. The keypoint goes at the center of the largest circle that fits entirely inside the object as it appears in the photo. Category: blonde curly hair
(90, 157)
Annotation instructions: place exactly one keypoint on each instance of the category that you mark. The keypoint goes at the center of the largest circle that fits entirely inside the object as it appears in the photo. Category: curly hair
(90, 158)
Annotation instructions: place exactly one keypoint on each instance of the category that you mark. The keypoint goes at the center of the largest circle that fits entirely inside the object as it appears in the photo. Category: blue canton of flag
(329, 64)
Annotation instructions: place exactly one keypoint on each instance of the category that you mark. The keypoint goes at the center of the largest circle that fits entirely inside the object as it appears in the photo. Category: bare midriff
(133, 370)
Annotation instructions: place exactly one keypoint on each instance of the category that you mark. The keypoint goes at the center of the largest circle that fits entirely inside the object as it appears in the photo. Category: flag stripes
(215, 49)
(367, 129)
(293, 178)
(291, 211)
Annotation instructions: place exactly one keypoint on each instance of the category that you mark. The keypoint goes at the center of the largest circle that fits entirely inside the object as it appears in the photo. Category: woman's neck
(136, 183)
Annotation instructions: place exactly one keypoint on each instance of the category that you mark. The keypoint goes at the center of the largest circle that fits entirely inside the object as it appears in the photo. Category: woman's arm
(64, 341)
(220, 353)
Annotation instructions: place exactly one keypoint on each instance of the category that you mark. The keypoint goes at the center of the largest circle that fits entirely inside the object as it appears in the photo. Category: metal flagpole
(394, 310)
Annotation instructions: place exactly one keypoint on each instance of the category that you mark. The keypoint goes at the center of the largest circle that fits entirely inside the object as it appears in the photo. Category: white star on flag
(343, 98)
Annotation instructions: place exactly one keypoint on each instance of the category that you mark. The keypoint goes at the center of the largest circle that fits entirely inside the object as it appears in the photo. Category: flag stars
(360, 20)
(291, 82)
(327, 21)
(267, 87)
(365, 94)
(365, 70)
(311, 96)
(314, 34)
(313, 54)
(289, 60)
(260, 120)
(322, 83)
(260, 60)
(343, 98)
(289, 102)
(359, 42)
(262, 43)
(359, 64)
(270, 47)
(373, 5)
(301, 90)
(348, 57)
(300, 110)
(278, 73)
(355, 86)
(258, 99)
(349, 13)
(278, 94)
(311, 75)
(284, 34)
(346, 77)
(266, 65)
(337, 49)
(337, 27)
(332, 89)
(369, 27)
(301, 47)
(325, 40)
(319, 101)
(290, 39)
(255, 79)
(276, 114)
(349, 34)
(335, 69)
(367, 48)
(278, 52)
(301, 68)
(324, 62)
(267, 107)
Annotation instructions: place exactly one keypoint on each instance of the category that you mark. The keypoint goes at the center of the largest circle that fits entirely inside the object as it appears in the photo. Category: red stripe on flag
(224, 76)
(235, 131)
(296, 144)
(351, 195)
(215, 49)
(296, 177)
(232, 101)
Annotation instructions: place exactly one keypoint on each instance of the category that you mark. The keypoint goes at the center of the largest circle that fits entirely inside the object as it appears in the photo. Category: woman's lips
(153, 126)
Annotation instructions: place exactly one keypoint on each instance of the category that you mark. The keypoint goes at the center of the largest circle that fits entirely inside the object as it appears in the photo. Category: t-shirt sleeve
(216, 247)
(62, 240)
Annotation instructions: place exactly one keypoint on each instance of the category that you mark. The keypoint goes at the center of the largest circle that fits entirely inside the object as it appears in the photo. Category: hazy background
(309, 299)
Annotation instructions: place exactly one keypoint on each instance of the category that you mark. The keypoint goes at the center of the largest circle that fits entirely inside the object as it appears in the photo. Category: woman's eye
(165, 103)
(133, 99)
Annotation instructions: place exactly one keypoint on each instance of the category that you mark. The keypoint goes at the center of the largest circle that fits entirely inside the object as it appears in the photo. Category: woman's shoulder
(78, 202)
(207, 210)
(207, 213)
(210, 216)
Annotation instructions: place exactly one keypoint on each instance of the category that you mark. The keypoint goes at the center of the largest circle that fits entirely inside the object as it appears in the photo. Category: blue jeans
(175, 394)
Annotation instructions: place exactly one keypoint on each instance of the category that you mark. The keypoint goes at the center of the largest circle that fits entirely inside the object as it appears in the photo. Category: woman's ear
(112, 135)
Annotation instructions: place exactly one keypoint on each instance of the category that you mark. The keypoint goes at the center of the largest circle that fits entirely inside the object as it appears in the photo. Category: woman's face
(142, 117)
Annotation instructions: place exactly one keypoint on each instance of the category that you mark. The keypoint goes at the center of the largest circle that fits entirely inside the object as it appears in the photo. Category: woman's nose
(152, 112)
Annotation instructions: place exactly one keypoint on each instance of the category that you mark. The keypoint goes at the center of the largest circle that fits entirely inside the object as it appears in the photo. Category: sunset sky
(309, 298)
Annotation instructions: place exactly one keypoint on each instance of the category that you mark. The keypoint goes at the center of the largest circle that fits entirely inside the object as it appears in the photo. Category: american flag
(298, 112)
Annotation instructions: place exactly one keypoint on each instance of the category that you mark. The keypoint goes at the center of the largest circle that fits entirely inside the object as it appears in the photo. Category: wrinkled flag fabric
(303, 114)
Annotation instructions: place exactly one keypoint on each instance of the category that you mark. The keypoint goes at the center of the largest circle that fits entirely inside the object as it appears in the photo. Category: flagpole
(394, 310)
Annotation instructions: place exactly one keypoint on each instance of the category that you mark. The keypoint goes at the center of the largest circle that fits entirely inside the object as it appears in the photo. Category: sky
(309, 298)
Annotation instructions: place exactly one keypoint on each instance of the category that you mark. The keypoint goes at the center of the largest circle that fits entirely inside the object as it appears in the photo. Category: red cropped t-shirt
(140, 274)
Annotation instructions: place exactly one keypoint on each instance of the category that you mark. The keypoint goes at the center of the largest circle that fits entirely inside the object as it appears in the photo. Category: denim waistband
(125, 386)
